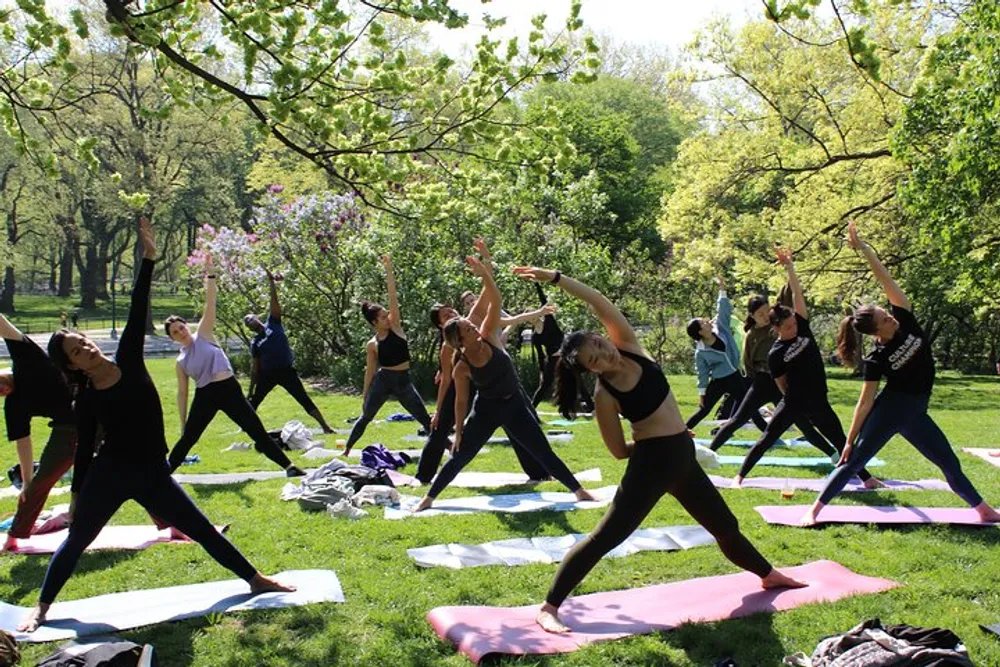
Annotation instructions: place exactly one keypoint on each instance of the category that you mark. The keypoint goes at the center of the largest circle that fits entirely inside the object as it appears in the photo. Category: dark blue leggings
(108, 485)
(906, 414)
(516, 416)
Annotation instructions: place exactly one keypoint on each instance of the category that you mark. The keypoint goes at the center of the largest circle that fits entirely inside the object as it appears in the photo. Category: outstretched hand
(854, 240)
(386, 260)
(534, 273)
(784, 255)
(484, 251)
(477, 267)
(147, 237)
(549, 309)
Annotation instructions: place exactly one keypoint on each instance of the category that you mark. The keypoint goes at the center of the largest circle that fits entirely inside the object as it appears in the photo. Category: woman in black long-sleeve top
(121, 397)
(546, 339)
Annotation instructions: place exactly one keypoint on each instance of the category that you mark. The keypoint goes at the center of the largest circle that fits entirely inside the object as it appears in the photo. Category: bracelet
(555, 279)
(211, 276)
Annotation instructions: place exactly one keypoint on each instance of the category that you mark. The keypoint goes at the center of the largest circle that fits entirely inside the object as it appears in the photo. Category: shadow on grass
(29, 571)
(207, 491)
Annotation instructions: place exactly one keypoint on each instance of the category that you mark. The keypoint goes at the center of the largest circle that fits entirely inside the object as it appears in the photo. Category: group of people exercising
(111, 406)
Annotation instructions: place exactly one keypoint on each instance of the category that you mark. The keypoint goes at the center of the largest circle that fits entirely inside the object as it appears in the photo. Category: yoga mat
(228, 477)
(984, 454)
(133, 609)
(992, 629)
(817, 485)
(567, 422)
(794, 461)
(789, 515)
(14, 492)
(705, 442)
(481, 631)
(488, 480)
(131, 538)
(496, 439)
(521, 551)
(557, 501)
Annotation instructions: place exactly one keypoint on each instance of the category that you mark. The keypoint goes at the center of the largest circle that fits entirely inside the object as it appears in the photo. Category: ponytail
(860, 321)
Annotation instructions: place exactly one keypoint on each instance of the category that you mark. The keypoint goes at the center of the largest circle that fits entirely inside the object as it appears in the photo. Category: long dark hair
(568, 373)
(861, 321)
(74, 378)
(755, 302)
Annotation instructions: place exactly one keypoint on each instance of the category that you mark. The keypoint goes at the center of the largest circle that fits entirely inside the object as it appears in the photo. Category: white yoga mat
(496, 439)
(558, 501)
(14, 492)
(489, 480)
(522, 551)
(228, 477)
(133, 609)
(984, 454)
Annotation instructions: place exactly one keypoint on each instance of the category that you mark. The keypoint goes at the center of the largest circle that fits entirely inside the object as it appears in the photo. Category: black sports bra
(392, 350)
(647, 395)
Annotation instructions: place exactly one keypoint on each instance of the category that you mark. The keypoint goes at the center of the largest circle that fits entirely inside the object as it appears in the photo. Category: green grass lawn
(36, 313)
(950, 575)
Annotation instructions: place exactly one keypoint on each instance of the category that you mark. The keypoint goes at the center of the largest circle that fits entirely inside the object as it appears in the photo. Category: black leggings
(518, 419)
(108, 485)
(817, 411)
(385, 384)
(433, 452)
(658, 466)
(225, 395)
(288, 378)
(764, 390)
(546, 378)
(735, 387)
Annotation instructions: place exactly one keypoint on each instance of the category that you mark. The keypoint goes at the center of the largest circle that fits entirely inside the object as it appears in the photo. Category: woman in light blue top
(202, 359)
(717, 358)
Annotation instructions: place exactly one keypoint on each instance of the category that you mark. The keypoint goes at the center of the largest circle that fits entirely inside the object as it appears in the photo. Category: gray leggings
(389, 383)
(906, 414)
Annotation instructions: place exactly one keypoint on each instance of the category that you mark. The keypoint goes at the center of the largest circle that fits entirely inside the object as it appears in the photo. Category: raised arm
(395, 319)
(8, 330)
(619, 330)
(206, 328)
(528, 316)
(798, 298)
(892, 289)
(130, 345)
(275, 304)
(723, 309)
(491, 293)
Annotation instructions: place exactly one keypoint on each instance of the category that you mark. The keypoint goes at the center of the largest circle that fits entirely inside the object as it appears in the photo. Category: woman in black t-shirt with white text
(903, 356)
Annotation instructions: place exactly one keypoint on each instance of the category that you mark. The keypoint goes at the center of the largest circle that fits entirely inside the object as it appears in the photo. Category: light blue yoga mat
(705, 442)
(793, 461)
(566, 422)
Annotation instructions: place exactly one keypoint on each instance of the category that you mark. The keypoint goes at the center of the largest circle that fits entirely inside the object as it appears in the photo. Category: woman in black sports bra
(500, 402)
(387, 372)
(661, 459)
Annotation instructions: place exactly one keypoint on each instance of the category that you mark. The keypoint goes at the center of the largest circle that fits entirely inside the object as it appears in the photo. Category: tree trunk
(53, 268)
(66, 270)
(89, 273)
(7, 295)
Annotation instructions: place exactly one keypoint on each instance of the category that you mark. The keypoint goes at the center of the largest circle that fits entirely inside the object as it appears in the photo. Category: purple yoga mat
(480, 631)
(132, 538)
(817, 485)
(789, 515)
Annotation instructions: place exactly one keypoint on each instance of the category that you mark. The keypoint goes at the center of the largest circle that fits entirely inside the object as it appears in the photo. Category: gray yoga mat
(133, 609)
(522, 551)
(559, 501)
(793, 461)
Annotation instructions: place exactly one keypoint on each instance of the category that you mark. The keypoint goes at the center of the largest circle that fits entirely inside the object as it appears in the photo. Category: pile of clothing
(870, 644)
(342, 490)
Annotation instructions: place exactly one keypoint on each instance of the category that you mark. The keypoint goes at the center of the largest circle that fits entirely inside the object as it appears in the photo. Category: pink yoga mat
(817, 485)
(789, 515)
(984, 454)
(132, 538)
(480, 631)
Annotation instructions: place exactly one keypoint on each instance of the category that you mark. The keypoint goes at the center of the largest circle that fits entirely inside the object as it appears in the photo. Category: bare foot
(584, 495)
(874, 483)
(737, 483)
(35, 618)
(262, 584)
(178, 535)
(425, 503)
(549, 621)
(776, 579)
(10, 544)
(995, 452)
(987, 513)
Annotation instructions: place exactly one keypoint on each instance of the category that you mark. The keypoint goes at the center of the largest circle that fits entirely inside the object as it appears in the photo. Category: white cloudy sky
(664, 22)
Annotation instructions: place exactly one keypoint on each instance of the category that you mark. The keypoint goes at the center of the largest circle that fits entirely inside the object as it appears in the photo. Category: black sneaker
(715, 430)
(423, 432)
(294, 471)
